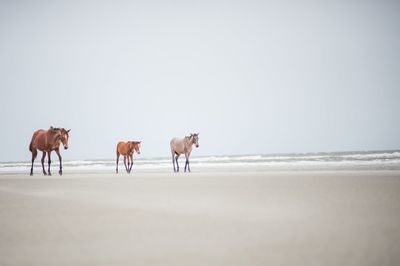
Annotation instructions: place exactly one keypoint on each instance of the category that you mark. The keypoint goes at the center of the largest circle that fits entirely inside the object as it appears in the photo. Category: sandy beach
(210, 218)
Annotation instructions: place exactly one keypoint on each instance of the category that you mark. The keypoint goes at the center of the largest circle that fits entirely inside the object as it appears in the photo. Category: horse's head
(195, 139)
(65, 137)
(135, 146)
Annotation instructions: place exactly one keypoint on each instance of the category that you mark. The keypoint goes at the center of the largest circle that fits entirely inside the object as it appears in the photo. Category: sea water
(366, 160)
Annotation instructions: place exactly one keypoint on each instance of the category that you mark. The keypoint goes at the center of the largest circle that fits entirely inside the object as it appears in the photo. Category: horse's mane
(63, 131)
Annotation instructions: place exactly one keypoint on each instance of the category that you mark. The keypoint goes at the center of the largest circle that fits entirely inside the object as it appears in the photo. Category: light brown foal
(127, 149)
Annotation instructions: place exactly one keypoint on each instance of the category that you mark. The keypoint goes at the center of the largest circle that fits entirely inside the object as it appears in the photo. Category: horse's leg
(177, 165)
(117, 162)
(43, 156)
(59, 158)
(130, 169)
(34, 154)
(173, 160)
(126, 168)
(129, 163)
(49, 161)
(187, 162)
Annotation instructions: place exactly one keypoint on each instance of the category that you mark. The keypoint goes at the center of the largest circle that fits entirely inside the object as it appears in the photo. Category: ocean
(365, 160)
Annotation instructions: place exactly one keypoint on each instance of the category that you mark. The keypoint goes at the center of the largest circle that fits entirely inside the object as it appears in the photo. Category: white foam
(334, 160)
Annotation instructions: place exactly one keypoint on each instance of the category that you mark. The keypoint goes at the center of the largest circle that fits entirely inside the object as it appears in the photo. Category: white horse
(179, 146)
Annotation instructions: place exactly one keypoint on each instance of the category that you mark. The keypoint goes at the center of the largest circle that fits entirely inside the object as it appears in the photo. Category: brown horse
(179, 146)
(48, 141)
(127, 149)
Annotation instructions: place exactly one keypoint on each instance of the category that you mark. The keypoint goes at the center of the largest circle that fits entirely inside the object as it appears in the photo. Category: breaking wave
(333, 160)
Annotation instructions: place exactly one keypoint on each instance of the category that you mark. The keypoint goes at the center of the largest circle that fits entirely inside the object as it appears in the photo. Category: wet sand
(211, 218)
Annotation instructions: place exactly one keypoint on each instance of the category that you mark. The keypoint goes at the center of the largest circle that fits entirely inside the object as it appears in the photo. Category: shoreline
(362, 160)
(204, 170)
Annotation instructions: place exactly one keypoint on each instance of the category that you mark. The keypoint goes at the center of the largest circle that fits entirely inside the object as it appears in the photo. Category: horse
(48, 141)
(127, 149)
(180, 146)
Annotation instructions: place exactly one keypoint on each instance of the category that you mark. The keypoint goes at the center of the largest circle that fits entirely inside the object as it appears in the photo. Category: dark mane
(48, 141)
(183, 146)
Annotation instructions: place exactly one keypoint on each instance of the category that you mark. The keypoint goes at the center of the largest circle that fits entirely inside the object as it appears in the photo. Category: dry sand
(212, 218)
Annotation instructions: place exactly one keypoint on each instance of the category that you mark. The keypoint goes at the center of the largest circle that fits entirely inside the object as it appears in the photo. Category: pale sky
(250, 76)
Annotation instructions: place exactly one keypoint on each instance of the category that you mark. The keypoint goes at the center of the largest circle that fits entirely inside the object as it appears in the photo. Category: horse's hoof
(60, 172)
(45, 173)
(31, 174)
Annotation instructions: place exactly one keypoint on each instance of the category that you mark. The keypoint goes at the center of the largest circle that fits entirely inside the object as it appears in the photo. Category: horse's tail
(31, 144)
(116, 150)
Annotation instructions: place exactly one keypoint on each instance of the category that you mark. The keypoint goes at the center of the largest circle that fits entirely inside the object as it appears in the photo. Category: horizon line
(235, 155)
